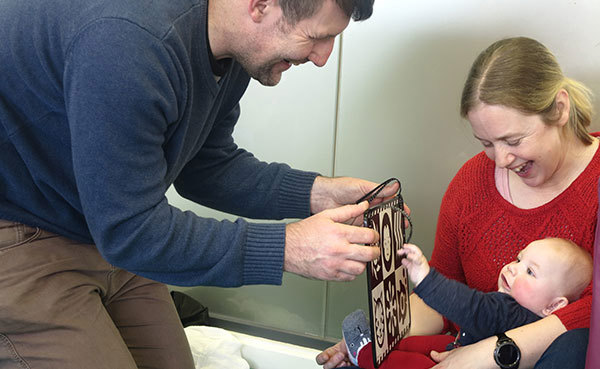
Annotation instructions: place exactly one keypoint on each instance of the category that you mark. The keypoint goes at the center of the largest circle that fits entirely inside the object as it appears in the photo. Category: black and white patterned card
(387, 279)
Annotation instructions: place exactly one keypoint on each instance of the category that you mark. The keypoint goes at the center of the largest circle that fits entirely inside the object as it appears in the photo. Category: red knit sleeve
(577, 314)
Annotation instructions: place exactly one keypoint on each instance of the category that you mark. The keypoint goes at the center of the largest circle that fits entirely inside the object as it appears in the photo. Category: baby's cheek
(523, 291)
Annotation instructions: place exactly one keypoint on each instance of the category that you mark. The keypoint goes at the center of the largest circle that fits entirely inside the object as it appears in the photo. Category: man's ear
(563, 106)
(557, 303)
(258, 9)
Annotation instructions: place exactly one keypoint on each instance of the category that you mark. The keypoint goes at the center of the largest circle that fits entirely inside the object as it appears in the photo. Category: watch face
(508, 354)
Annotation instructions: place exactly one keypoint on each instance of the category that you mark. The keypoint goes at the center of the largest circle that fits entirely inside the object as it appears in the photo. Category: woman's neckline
(540, 201)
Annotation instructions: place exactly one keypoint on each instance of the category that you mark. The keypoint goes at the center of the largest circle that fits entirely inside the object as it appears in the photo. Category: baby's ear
(557, 303)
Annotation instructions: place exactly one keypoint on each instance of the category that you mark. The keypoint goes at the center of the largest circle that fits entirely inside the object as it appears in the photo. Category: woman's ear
(563, 107)
(557, 303)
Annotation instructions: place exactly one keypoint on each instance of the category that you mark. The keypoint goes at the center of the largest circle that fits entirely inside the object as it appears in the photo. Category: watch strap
(502, 341)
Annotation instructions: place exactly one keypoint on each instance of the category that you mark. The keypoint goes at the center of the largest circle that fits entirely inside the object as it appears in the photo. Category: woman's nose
(503, 157)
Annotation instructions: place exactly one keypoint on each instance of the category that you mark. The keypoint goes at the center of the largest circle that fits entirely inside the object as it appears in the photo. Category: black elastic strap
(374, 192)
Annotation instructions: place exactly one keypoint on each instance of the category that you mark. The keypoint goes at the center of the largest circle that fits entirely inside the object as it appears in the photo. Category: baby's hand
(415, 262)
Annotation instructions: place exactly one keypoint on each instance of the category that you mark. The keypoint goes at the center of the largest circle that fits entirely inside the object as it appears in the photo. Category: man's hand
(334, 357)
(415, 262)
(329, 193)
(323, 247)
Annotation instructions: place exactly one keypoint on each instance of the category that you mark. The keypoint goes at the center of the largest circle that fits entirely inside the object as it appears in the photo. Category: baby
(547, 275)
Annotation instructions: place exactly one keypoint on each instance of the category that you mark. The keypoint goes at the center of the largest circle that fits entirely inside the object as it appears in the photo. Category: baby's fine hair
(579, 268)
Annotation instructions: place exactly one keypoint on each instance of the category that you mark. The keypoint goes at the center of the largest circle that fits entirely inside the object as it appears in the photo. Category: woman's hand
(532, 339)
(479, 355)
(334, 357)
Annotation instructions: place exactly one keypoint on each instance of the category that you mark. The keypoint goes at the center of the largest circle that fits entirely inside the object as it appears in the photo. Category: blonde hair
(522, 74)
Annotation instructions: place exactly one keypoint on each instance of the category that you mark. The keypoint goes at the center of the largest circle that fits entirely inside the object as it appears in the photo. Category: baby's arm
(415, 262)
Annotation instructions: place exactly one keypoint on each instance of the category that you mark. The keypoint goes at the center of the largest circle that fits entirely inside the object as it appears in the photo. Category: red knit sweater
(478, 231)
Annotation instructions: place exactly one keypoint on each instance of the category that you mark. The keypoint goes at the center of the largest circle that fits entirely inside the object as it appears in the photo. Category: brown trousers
(63, 306)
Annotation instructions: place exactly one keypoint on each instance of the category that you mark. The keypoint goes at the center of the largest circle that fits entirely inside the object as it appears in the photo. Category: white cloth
(215, 348)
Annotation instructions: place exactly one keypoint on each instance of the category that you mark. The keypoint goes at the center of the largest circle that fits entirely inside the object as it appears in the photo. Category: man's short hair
(297, 10)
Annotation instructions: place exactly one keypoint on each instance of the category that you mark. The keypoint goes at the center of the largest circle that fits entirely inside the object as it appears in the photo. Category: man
(104, 104)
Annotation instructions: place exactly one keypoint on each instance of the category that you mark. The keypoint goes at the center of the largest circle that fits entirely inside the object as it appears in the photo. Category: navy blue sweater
(106, 103)
(479, 315)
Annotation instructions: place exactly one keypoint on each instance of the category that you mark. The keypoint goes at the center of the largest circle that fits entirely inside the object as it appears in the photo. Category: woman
(536, 178)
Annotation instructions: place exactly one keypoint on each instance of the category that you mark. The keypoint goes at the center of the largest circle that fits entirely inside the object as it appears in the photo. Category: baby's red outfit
(410, 353)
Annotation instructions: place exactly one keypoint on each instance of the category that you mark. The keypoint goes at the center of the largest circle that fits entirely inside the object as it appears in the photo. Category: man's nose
(321, 52)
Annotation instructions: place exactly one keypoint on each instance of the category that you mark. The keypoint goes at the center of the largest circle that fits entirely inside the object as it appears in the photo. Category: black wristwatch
(507, 353)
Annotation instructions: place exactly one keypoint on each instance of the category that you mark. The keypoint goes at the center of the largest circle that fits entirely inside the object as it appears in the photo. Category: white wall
(401, 74)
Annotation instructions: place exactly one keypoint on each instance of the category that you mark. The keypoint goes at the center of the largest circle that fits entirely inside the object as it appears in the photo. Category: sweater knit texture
(104, 104)
(478, 231)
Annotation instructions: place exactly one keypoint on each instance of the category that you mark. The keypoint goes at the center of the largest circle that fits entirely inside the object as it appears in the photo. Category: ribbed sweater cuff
(294, 194)
(264, 252)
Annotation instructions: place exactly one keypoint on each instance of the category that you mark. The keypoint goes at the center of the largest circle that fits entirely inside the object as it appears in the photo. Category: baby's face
(534, 278)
